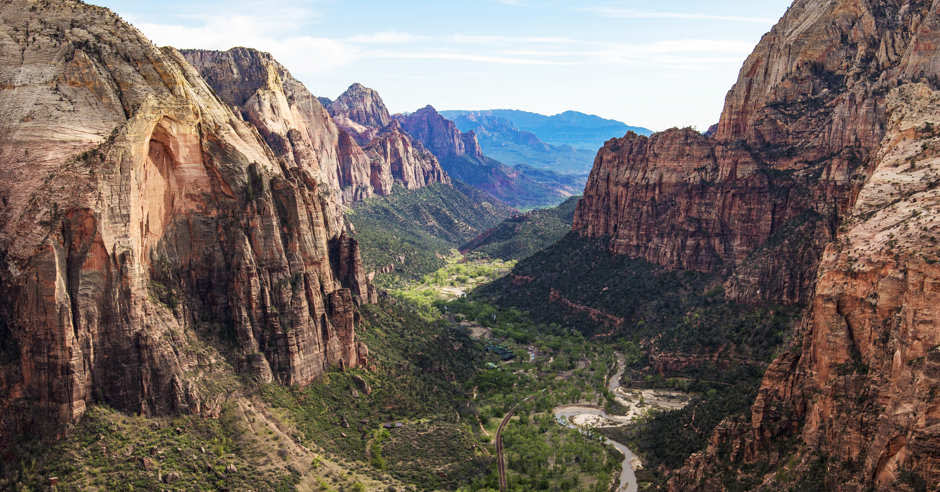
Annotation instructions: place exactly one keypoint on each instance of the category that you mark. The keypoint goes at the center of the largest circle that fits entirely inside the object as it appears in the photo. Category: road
(503, 483)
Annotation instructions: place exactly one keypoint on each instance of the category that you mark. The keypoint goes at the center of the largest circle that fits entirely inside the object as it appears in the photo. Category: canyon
(182, 236)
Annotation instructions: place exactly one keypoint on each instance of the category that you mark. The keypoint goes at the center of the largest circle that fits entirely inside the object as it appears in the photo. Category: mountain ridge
(579, 130)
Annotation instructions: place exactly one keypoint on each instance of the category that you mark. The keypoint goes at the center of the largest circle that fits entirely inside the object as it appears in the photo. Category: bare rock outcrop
(144, 223)
(440, 135)
(819, 186)
(361, 111)
(302, 132)
(859, 386)
(397, 158)
(762, 197)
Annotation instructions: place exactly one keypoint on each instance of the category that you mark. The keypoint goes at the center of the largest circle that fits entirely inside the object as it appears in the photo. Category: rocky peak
(298, 128)
(361, 105)
(439, 134)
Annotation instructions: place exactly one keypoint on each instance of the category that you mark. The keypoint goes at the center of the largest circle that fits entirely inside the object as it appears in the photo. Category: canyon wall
(761, 198)
(819, 187)
(149, 236)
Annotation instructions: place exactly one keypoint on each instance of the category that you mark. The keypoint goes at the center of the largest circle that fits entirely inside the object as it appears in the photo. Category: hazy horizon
(655, 68)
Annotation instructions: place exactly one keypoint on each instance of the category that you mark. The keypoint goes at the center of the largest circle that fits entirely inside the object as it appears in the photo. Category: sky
(655, 64)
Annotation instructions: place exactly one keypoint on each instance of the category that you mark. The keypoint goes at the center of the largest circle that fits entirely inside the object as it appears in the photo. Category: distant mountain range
(461, 155)
(579, 130)
(563, 142)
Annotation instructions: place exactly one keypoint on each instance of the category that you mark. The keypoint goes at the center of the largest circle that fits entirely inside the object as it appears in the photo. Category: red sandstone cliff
(142, 221)
(819, 186)
(440, 135)
(859, 386)
(794, 145)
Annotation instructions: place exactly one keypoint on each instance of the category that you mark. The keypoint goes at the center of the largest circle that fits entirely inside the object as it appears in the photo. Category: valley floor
(447, 365)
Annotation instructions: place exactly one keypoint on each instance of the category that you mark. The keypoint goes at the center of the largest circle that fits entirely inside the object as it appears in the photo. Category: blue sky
(655, 64)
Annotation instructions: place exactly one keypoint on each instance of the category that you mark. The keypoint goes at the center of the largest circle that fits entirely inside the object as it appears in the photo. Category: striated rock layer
(300, 131)
(819, 186)
(859, 387)
(794, 145)
(141, 218)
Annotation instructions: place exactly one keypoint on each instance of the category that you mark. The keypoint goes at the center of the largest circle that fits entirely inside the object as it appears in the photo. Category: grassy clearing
(458, 276)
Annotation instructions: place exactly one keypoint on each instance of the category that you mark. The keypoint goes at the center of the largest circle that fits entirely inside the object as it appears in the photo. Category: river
(565, 413)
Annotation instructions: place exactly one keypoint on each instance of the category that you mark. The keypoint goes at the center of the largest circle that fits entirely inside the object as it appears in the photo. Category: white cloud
(622, 13)
(468, 57)
(386, 37)
(301, 53)
(478, 39)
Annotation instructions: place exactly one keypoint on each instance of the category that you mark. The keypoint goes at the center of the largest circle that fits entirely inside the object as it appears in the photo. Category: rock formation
(301, 131)
(440, 135)
(361, 112)
(818, 186)
(144, 225)
(398, 159)
(792, 149)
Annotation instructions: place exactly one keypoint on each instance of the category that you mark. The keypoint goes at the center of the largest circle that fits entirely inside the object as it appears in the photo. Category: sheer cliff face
(300, 131)
(861, 383)
(819, 186)
(140, 219)
(795, 143)
(397, 159)
(866, 381)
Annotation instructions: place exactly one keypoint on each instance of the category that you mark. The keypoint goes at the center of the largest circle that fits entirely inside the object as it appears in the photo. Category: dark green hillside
(413, 231)
(676, 327)
(682, 311)
(523, 235)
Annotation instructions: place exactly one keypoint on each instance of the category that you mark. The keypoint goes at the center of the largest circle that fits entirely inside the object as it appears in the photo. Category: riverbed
(637, 402)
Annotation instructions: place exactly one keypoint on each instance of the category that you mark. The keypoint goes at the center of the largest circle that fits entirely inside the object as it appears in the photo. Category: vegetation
(428, 410)
(665, 439)
(522, 236)
(642, 309)
(414, 231)
(108, 450)
(459, 276)
(683, 311)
